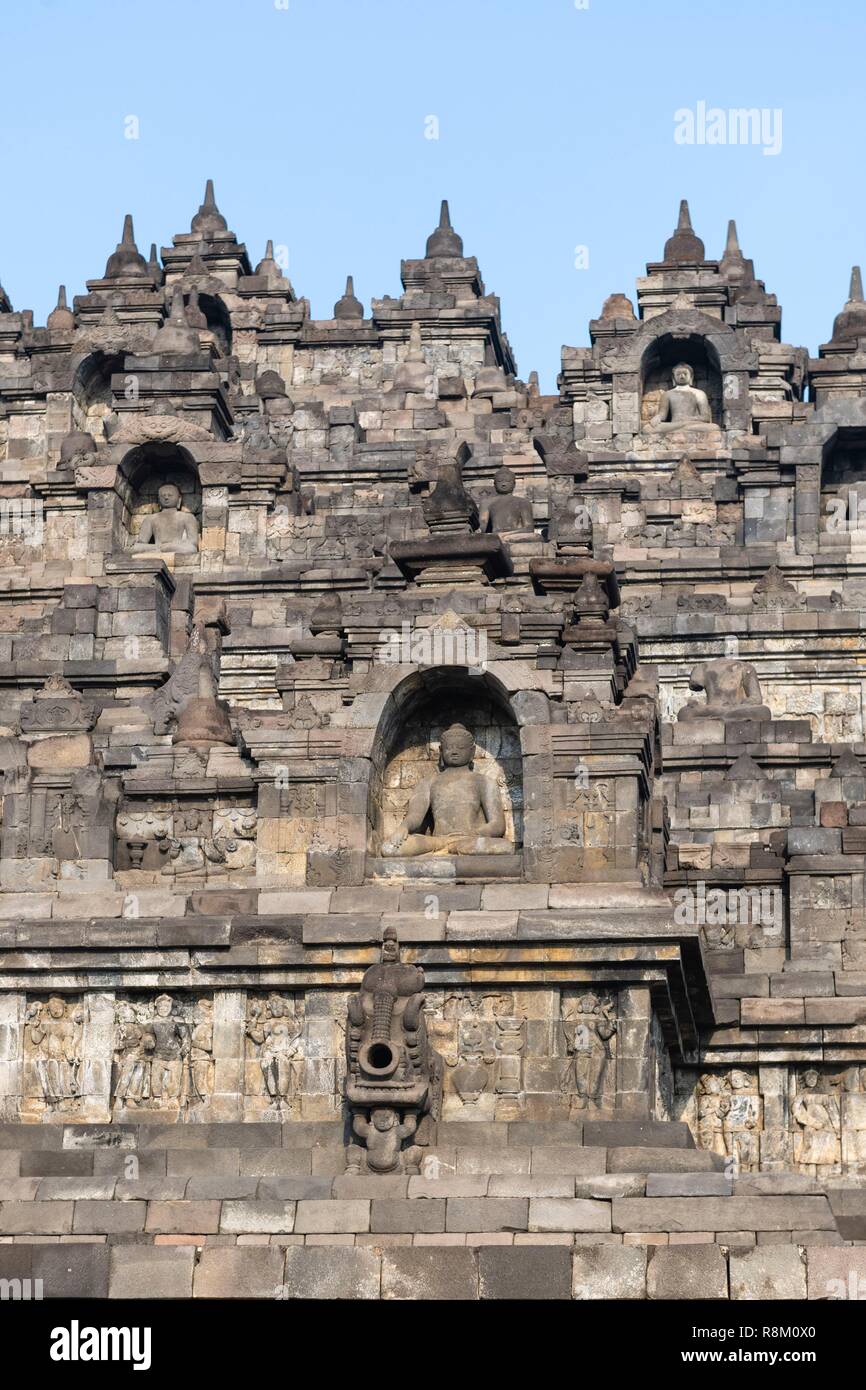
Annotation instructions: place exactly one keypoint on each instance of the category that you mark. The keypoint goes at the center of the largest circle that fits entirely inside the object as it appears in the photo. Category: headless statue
(466, 807)
(172, 528)
(732, 689)
(684, 406)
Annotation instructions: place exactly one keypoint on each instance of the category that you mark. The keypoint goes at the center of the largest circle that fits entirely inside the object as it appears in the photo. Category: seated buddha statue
(464, 805)
(684, 406)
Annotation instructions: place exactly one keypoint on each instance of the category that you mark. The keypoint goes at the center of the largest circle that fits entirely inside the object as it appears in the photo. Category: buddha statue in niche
(465, 806)
(684, 406)
(505, 511)
(172, 528)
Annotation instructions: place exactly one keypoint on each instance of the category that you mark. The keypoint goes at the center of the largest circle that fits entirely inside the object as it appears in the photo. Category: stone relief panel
(809, 1119)
(524, 1053)
(181, 840)
(163, 1055)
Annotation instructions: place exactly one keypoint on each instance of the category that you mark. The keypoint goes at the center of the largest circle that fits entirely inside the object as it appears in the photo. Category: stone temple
(434, 812)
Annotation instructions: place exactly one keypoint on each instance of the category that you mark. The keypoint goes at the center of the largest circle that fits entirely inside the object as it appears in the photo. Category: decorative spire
(61, 319)
(348, 307)
(267, 266)
(733, 266)
(732, 245)
(126, 259)
(684, 246)
(444, 241)
(850, 324)
(154, 269)
(209, 221)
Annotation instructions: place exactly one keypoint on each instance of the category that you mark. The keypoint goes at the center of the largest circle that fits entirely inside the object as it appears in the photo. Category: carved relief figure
(276, 1034)
(167, 1038)
(713, 1107)
(683, 405)
(173, 528)
(54, 1033)
(590, 1024)
(465, 807)
(131, 1059)
(732, 689)
(818, 1116)
(741, 1122)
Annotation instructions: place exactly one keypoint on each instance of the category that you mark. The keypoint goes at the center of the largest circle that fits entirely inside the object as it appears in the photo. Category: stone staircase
(603, 1209)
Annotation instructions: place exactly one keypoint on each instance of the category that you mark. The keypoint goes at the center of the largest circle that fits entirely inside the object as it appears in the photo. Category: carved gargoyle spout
(394, 1077)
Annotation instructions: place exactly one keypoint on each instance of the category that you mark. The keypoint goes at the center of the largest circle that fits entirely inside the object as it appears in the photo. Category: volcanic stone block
(151, 1271)
(332, 1272)
(487, 1214)
(257, 1217)
(182, 1218)
(241, 1271)
(564, 1214)
(609, 1271)
(687, 1271)
(524, 1272)
(430, 1272)
(72, 1270)
(393, 1214)
(336, 1216)
(722, 1214)
(768, 1271)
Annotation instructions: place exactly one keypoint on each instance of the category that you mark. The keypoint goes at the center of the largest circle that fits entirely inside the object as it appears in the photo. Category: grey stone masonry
(433, 811)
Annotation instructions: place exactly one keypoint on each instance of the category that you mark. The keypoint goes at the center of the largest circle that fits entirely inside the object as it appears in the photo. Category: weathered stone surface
(687, 1271)
(768, 1271)
(525, 1272)
(431, 1273)
(332, 1273)
(239, 1272)
(327, 637)
(609, 1271)
(151, 1271)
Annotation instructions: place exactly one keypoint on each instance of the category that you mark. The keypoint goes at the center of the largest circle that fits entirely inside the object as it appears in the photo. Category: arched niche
(143, 472)
(656, 372)
(91, 391)
(843, 487)
(406, 747)
(218, 321)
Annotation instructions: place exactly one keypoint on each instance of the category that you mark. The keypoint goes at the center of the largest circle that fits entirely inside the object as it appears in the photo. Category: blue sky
(555, 130)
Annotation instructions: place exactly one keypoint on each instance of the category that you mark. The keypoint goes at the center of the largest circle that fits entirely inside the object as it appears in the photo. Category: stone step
(433, 1272)
(329, 1160)
(593, 1133)
(203, 1207)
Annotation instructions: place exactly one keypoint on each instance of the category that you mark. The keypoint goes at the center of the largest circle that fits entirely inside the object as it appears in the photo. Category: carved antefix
(393, 1078)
